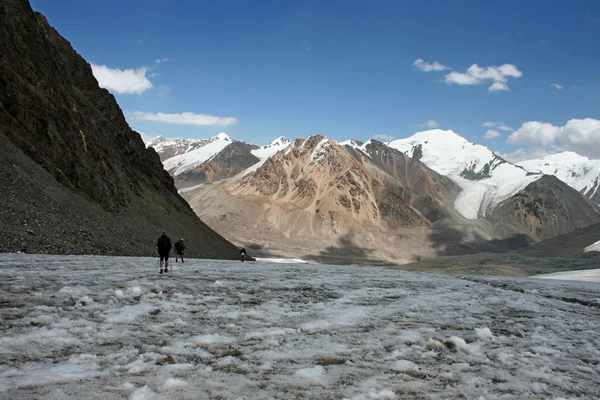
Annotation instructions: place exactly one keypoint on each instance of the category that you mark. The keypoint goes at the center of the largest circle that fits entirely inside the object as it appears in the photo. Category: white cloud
(579, 135)
(162, 60)
(476, 75)
(491, 134)
(185, 118)
(557, 86)
(129, 81)
(421, 65)
(430, 124)
(498, 125)
(498, 86)
(383, 137)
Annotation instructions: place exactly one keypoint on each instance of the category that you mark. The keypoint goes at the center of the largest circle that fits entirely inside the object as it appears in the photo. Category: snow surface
(450, 154)
(108, 327)
(589, 275)
(266, 152)
(182, 162)
(282, 260)
(592, 247)
(577, 171)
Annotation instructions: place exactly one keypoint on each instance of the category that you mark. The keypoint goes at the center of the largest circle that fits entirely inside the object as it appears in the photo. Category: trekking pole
(157, 263)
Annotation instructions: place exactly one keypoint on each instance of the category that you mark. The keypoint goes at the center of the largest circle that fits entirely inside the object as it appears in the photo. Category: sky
(521, 77)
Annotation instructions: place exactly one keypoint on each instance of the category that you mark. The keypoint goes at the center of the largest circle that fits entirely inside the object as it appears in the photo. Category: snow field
(109, 327)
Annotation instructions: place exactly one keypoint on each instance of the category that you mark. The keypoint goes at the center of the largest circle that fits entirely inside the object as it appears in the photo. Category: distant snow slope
(577, 171)
(587, 275)
(265, 152)
(182, 162)
(486, 179)
(110, 327)
(592, 247)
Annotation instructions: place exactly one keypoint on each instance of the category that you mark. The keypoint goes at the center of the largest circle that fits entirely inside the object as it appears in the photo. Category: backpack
(164, 243)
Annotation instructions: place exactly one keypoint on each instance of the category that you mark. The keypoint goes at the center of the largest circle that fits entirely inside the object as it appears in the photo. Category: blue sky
(346, 69)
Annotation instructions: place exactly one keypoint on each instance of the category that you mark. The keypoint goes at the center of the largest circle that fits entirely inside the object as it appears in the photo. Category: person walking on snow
(179, 249)
(164, 247)
(243, 254)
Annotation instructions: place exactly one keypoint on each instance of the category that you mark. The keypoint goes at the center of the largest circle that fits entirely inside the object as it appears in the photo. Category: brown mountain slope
(75, 178)
(548, 207)
(317, 195)
(230, 161)
(567, 245)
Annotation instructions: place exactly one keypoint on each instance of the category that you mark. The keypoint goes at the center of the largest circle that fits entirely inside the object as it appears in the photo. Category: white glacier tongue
(486, 179)
(111, 327)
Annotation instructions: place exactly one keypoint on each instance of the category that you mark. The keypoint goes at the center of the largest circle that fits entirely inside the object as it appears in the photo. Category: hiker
(179, 248)
(164, 247)
(243, 254)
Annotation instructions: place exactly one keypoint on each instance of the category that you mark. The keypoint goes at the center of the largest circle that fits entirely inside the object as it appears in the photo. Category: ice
(288, 331)
(589, 275)
(593, 247)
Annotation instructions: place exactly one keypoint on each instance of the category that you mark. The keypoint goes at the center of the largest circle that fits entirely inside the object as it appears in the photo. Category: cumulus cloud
(122, 81)
(383, 137)
(185, 118)
(557, 86)
(421, 65)
(498, 125)
(579, 135)
(491, 134)
(476, 75)
(430, 124)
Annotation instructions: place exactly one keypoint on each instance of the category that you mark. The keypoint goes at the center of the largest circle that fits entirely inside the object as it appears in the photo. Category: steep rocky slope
(318, 197)
(75, 178)
(577, 171)
(547, 208)
(567, 245)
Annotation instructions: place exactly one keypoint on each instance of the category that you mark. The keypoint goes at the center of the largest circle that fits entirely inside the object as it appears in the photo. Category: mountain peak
(223, 136)
(281, 140)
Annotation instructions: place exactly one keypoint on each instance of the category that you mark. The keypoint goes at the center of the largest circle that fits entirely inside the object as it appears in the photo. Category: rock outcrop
(74, 177)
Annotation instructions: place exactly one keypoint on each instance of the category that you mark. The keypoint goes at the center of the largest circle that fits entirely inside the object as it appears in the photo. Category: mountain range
(431, 194)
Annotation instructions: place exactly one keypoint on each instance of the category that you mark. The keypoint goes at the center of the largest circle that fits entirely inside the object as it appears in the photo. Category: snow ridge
(577, 171)
(206, 151)
(486, 179)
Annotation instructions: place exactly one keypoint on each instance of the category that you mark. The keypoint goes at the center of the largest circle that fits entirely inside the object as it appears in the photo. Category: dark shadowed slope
(570, 244)
(74, 177)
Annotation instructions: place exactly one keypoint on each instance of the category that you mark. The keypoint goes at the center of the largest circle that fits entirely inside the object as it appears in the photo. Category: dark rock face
(230, 161)
(548, 207)
(73, 172)
(567, 245)
(417, 185)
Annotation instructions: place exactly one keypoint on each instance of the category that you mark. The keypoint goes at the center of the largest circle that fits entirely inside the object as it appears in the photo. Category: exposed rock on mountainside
(74, 178)
(229, 162)
(567, 245)
(316, 193)
(547, 208)
(577, 171)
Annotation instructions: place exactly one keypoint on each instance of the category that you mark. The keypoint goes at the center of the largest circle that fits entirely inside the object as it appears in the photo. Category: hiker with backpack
(179, 249)
(164, 248)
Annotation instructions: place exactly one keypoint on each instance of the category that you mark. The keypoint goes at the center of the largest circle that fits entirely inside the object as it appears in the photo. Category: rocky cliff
(74, 177)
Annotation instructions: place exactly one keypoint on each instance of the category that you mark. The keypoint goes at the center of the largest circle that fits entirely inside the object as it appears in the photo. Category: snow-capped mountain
(577, 171)
(180, 155)
(265, 152)
(218, 157)
(486, 178)
(167, 148)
